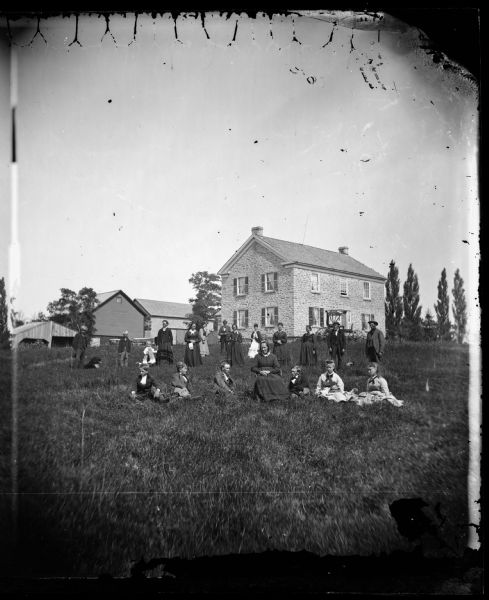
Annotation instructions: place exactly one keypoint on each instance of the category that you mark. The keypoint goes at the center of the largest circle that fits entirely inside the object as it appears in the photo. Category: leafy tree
(412, 310)
(429, 326)
(4, 332)
(39, 317)
(207, 301)
(393, 302)
(442, 308)
(459, 307)
(75, 309)
(17, 318)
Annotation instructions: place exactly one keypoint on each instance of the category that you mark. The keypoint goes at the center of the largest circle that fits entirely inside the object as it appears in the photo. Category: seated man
(223, 384)
(146, 386)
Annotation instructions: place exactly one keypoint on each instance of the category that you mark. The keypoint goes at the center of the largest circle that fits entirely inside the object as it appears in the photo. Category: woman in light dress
(256, 339)
(377, 389)
(204, 346)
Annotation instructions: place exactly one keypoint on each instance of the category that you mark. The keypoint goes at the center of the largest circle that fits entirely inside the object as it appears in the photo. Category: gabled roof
(104, 297)
(158, 308)
(55, 328)
(291, 253)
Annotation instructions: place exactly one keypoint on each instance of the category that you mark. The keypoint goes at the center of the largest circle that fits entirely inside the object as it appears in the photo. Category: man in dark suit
(80, 343)
(224, 335)
(337, 344)
(374, 347)
(124, 349)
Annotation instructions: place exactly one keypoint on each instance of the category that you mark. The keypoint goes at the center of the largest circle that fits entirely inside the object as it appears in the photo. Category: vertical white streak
(14, 279)
(474, 339)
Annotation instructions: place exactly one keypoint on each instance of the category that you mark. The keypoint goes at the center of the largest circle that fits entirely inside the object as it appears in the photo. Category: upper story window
(315, 282)
(119, 299)
(240, 285)
(366, 290)
(269, 282)
(343, 287)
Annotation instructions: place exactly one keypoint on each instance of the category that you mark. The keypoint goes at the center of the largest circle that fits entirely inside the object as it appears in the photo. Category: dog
(93, 363)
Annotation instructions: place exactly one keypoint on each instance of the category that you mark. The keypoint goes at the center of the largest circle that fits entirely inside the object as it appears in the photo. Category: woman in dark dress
(309, 353)
(279, 346)
(192, 350)
(268, 385)
(235, 348)
(164, 342)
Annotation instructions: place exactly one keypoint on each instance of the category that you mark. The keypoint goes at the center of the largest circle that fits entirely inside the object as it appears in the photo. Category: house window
(343, 287)
(269, 316)
(316, 316)
(366, 290)
(240, 317)
(365, 319)
(269, 282)
(240, 285)
(315, 282)
(119, 300)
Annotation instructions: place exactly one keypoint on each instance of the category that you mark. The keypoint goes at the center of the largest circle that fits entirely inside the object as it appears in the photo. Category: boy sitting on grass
(330, 385)
(146, 386)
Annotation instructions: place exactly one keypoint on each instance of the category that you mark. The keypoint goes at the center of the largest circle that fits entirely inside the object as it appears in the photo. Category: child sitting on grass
(146, 386)
(330, 385)
(181, 387)
(299, 383)
(377, 389)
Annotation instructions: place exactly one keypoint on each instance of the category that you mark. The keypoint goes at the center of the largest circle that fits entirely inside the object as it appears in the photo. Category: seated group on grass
(269, 384)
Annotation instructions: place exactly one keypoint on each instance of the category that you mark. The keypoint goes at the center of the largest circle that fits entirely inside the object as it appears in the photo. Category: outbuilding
(48, 332)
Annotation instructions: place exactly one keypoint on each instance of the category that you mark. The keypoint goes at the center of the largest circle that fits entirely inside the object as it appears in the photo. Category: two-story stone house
(269, 280)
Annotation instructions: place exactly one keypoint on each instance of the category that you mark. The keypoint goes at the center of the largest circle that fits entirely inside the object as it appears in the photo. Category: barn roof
(158, 308)
(290, 253)
(104, 297)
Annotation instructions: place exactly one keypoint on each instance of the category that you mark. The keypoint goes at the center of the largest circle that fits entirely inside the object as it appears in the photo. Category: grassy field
(105, 482)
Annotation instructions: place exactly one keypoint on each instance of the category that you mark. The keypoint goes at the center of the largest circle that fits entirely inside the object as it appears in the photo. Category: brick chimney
(257, 231)
(343, 250)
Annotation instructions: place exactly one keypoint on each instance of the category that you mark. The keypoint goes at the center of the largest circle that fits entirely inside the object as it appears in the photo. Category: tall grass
(104, 481)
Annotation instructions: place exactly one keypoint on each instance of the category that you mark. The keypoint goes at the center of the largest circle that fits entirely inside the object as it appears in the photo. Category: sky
(143, 158)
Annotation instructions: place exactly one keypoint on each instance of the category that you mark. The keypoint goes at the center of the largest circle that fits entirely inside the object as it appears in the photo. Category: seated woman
(180, 382)
(330, 385)
(146, 386)
(377, 389)
(268, 385)
(299, 383)
(223, 384)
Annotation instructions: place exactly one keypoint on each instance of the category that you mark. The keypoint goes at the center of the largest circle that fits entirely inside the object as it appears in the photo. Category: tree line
(403, 319)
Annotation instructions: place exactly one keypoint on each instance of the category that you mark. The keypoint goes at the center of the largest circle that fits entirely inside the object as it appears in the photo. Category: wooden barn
(48, 332)
(115, 313)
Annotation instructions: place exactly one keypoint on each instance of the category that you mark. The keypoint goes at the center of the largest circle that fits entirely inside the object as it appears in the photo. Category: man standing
(124, 349)
(337, 344)
(224, 335)
(80, 343)
(374, 347)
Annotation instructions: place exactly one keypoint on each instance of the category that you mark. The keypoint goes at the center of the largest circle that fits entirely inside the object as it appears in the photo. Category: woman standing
(309, 353)
(204, 347)
(268, 385)
(235, 348)
(164, 342)
(279, 346)
(255, 341)
(192, 341)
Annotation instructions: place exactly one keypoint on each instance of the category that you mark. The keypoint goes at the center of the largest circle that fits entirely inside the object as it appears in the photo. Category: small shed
(53, 334)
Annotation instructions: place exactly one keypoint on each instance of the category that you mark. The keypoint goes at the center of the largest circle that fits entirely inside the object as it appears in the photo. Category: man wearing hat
(124, 349)
(374, 347)
(224, 335)
(337, 344)
(80, 343)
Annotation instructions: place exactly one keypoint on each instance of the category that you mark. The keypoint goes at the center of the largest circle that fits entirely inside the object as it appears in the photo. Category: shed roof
(44, 327)
(159, 308)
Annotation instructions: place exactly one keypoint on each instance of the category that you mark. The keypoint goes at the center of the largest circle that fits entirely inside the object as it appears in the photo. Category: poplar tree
(459, 307)
(412, 309)
(442, 308)
(393, 302)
